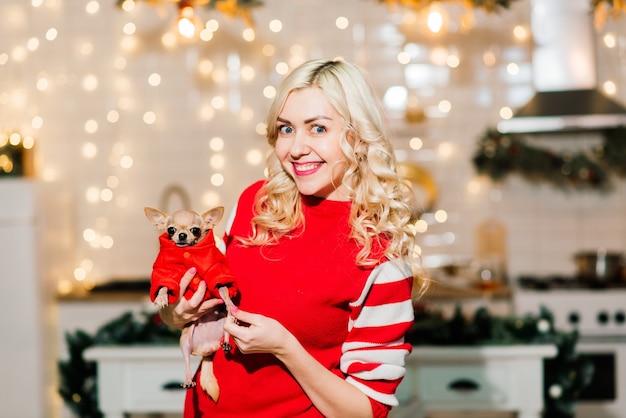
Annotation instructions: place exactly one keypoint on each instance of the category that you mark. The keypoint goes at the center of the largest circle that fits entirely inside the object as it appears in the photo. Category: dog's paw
(226, 346)
(161, 302)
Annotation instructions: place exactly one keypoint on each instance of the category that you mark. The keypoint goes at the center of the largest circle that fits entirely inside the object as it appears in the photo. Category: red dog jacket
(173, 261)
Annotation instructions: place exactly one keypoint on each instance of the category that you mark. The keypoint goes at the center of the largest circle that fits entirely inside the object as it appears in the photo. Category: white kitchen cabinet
(139, 379)
(89, 313)
(22, 376)
(481, 379)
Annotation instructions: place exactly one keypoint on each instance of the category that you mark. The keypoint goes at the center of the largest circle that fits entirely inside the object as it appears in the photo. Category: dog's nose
(182, 236)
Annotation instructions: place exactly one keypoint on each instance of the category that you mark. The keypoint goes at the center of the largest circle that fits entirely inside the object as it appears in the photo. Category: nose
(182, 236)
(300, 145)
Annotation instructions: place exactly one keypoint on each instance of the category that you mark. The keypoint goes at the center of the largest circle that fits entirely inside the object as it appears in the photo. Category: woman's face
(307, 146)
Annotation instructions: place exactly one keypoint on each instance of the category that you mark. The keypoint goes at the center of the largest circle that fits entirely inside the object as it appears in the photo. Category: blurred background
(107, 107)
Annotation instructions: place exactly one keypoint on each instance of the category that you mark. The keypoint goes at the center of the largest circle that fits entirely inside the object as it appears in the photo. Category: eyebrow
(306, 121)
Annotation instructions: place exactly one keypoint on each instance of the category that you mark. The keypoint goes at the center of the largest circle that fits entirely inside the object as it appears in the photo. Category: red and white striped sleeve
(373, 356)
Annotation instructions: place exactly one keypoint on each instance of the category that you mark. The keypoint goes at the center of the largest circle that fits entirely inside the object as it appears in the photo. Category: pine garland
(565, 376)
(490, 6)
(602, 9)
(499, 155)
(77, 385)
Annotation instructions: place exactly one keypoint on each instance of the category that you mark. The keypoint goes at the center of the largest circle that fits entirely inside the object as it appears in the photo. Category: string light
(15, 153)
(436, 18)
(189, 26)
(126, 100)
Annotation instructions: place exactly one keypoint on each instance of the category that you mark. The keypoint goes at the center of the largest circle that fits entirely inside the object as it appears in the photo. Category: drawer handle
(173, 386)
(464, 385)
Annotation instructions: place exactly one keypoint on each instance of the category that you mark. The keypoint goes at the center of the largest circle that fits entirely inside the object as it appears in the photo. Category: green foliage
(499, 155)
(565, 376)
(77, 385)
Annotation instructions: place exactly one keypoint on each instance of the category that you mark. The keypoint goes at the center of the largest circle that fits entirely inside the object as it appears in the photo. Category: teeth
(305, 167)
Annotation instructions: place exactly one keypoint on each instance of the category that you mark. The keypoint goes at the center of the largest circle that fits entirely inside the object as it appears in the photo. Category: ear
(212, 217)
(360, 147)
(156, 217)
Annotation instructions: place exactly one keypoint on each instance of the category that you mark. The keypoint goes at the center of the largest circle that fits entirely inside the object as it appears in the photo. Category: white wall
(176, 149)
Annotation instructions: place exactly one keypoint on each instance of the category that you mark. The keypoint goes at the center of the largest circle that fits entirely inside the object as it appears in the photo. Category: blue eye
(318, 129)
(285, 129)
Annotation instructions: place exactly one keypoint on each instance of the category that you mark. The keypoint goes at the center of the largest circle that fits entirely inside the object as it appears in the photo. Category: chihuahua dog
(187, 242)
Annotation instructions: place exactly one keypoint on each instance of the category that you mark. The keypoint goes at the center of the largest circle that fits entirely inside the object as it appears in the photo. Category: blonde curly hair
(381, 200)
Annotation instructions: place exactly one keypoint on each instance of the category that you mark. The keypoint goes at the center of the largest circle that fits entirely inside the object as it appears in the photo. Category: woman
(323, 255)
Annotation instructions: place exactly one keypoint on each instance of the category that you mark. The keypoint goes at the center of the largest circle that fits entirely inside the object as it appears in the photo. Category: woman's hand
(183, 311)
(254, 333)
(330, 393)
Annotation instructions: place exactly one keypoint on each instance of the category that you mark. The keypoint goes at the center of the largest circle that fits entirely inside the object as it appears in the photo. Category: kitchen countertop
(445, 291)
(103, 297)
(113, 291)
(137, 290)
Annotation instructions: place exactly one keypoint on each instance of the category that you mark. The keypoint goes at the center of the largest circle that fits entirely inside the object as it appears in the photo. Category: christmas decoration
(15, 154)
(487, 5)
(500, 155)
(77, 384)
(603, 10)
(565, 376)
(231, 8)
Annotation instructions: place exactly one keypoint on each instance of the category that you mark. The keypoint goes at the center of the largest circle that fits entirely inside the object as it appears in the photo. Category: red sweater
(173, 261)
(351, 319)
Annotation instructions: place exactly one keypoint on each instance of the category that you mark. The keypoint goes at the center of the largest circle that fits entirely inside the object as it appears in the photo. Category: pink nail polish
(234, 309)
(192, 270)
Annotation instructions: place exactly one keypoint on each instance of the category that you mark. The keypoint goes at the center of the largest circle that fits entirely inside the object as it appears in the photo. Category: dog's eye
(171, 230)
(195, 231)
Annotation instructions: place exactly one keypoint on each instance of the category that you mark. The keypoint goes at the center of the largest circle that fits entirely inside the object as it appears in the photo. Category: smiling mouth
(306, 168)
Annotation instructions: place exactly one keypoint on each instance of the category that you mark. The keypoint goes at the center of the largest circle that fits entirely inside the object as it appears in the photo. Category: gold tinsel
(232, 9)
(229, 8)
(603, 10)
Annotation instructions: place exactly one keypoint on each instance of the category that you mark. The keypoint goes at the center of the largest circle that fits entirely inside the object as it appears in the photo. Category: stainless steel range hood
(564, 74)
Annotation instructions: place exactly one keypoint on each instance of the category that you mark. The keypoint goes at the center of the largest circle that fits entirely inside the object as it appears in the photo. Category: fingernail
(234, 309)
(192, 270)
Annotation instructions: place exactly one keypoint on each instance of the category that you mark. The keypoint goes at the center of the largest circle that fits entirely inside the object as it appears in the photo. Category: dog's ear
(212, 217)
(156, 217)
